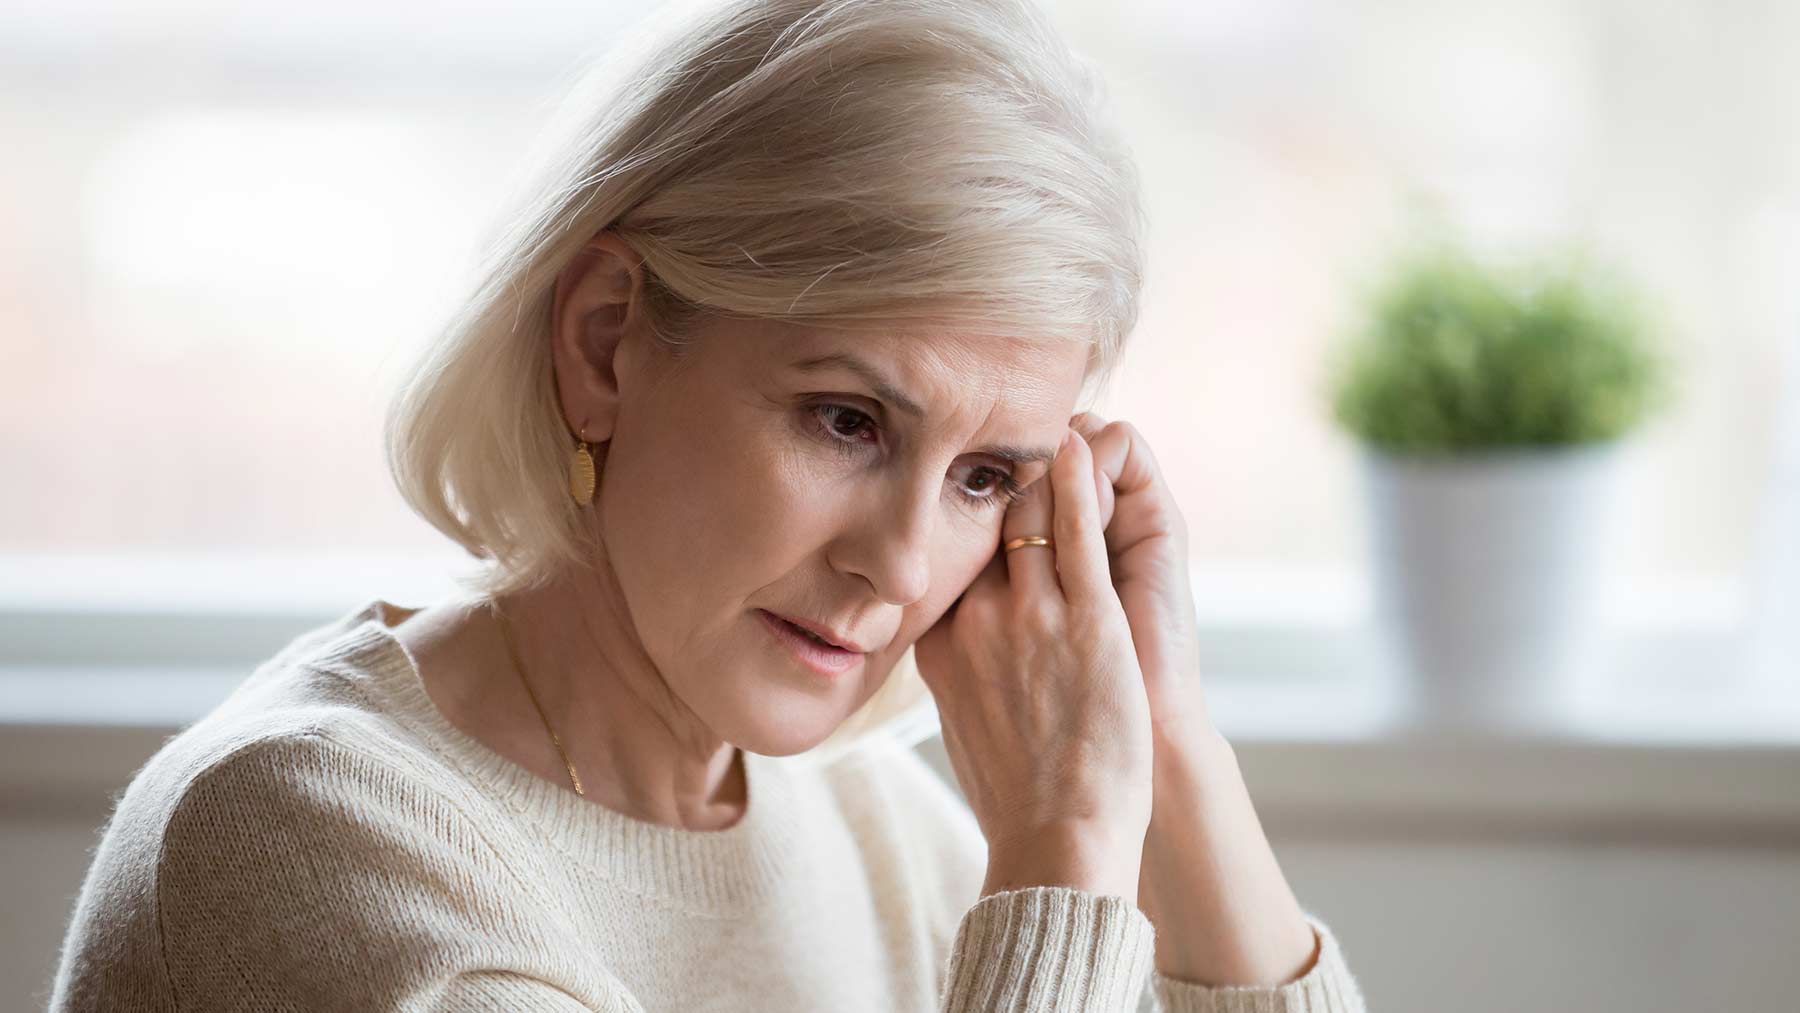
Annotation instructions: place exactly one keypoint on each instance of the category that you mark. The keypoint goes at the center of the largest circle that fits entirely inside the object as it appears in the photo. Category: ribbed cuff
(1327, 988)
(1048, 949)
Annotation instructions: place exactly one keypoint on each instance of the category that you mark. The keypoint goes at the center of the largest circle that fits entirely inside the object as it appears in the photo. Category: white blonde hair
(892, 164)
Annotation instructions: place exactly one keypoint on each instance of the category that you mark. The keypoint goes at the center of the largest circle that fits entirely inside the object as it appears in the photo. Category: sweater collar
(714, 871)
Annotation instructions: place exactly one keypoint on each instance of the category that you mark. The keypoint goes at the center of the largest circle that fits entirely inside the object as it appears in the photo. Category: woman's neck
(636, 748)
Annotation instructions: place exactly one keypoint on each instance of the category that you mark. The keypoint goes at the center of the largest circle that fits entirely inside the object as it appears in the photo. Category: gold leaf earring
(581, 471)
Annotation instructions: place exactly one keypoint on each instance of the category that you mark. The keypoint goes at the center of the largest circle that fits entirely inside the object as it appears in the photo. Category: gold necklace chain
(519, 667)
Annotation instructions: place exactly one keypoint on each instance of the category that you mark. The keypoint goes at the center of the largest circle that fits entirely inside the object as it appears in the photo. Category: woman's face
(760, 471)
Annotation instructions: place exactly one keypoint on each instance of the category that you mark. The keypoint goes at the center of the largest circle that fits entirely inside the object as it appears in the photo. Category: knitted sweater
(325, 839)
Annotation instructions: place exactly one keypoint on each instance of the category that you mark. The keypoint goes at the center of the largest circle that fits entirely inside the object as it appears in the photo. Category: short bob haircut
(900, 165)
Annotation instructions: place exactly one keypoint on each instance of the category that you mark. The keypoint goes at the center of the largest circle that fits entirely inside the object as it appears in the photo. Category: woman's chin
(784, 726)
(784, 741)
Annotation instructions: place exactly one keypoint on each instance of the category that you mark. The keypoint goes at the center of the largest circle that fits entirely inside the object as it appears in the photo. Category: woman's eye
(841, 422)
(999, 490)
(844, 427)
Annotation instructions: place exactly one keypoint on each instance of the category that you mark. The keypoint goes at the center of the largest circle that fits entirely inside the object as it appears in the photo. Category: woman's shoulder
(289, 865)
(269, 791)
(347, 675)
(321, 686)
(291, 833)
(346, 684)
(313, 739)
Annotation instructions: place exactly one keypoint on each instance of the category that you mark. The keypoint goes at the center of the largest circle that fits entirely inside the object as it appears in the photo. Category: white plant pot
(1487, 570)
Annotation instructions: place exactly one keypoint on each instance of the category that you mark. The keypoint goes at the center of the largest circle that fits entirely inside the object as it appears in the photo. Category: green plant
(1456, 354)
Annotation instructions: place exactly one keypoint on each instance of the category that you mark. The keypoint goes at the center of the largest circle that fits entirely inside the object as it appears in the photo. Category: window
(226, 228)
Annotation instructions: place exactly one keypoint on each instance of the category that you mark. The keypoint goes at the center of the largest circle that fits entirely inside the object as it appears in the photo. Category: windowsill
(1319, 760)
(1668, 741)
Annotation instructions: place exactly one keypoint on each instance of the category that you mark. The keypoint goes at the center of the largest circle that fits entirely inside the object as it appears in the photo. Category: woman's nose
(890, 546)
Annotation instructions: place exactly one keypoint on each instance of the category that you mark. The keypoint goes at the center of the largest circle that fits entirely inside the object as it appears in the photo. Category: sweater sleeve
(301, 873)
(1056, 948)
(1326, 987)
(1047, 949)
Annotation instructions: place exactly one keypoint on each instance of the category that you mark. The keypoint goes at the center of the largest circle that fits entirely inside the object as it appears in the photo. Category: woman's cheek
(967, 564)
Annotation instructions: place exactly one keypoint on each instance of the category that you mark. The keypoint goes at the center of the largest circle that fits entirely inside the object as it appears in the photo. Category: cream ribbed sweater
(326, 840)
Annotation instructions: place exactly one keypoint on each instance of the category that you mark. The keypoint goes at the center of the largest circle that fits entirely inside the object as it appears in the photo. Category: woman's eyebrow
(884, 388)
(1021, 455)
(889, 391)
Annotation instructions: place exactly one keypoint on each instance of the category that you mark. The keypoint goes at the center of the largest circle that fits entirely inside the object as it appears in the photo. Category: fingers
(1088, 424)
(1121, 453)
(1128, 469)
(1031, 569)
(1091, 426)
(1080, 543)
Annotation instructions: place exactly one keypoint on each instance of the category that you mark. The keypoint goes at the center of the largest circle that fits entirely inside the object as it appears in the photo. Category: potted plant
(1491, 403)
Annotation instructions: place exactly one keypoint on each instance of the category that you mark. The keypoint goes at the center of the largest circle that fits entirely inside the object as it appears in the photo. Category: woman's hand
(1147, 550)
(1041, 698)
(1209, 880)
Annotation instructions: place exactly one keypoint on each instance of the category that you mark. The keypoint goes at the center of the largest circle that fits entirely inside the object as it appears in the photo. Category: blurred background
(226, 227)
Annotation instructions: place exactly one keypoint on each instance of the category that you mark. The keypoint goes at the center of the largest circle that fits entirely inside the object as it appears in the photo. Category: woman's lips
(821, 658)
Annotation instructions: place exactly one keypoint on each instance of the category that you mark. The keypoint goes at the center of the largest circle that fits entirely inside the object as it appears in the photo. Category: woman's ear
(597, 305)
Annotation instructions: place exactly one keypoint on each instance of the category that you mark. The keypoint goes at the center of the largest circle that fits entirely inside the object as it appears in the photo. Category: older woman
(771, 382)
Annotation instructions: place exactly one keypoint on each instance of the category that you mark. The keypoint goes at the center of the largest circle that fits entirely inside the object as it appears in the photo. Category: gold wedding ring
(1024, 540)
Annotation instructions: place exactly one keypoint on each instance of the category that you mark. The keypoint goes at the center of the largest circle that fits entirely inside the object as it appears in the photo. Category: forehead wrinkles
(965, 389)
